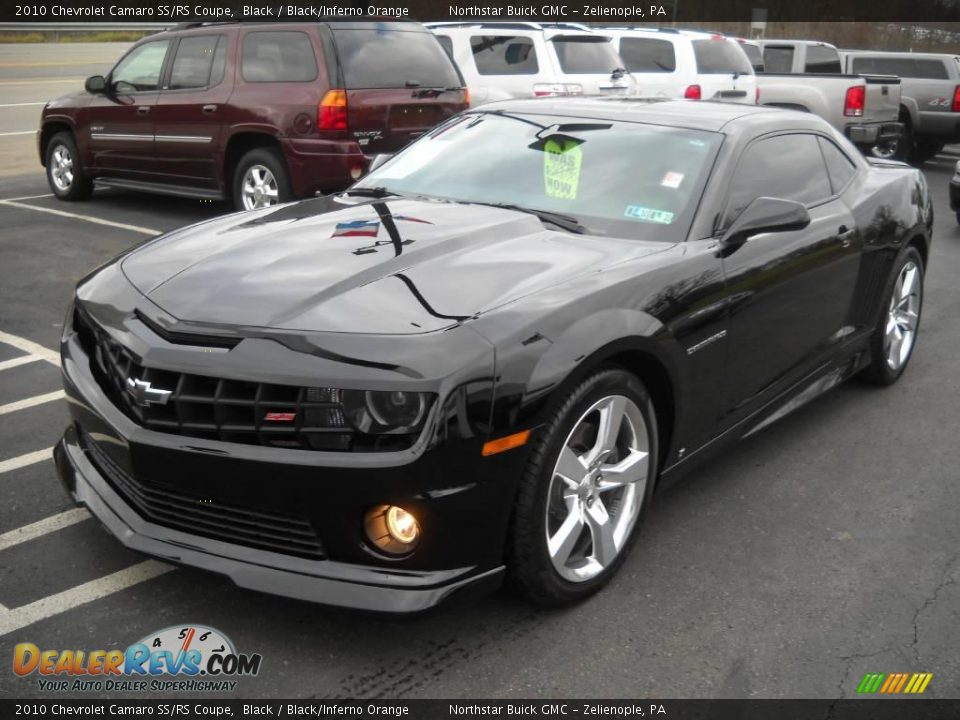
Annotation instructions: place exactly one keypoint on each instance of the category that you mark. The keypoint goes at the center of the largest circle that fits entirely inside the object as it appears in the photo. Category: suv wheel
(590, 476)
(261, 180)
(64, 172)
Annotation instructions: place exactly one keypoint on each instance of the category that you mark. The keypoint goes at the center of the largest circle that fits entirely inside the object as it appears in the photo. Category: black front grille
(252, 413)
(204, 516)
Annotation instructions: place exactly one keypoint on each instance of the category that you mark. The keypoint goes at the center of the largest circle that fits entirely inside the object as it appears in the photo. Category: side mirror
(95, 84)
(765, 214)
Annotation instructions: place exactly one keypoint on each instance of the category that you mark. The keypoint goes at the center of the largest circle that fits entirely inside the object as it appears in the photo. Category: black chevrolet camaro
(483, 359)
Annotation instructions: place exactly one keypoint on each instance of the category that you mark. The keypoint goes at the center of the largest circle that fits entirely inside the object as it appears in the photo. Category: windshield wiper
(565, 222)
(374, 192)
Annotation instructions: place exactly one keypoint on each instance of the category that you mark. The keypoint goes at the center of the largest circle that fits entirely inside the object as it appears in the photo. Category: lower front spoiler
(326, 582)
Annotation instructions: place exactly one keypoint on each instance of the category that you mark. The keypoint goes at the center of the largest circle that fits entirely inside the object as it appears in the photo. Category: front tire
(65, 174)
(261, 180)
(588, 481)
(894, 338)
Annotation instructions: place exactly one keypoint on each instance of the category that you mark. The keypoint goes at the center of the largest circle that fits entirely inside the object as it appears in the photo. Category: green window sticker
(638, 212)
(561, 168)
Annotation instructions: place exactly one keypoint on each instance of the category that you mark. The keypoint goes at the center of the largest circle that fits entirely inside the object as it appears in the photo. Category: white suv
(502, 60)
(685, 64)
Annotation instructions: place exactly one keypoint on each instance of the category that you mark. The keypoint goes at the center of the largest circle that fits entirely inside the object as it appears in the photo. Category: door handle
(209, 108)
(845, 235)
(143, 110)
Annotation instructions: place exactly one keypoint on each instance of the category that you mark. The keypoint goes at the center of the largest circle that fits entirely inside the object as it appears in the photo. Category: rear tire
(261, 180)
(923, 151)
(584, 492)
(895, 337)
(65, 174)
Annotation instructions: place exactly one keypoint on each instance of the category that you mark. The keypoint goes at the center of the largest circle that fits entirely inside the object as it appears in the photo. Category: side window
(822, 60)
(839, 166)
(504, 55)
(931, 69)
(866, 66)
(784, 166)
(648, 55)
(194, 62)
(278, 56)
(778, 58)
(446, 42)
(140, 69)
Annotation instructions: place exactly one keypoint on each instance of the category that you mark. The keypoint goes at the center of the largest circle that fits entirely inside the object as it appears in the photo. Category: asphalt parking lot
(825, 547)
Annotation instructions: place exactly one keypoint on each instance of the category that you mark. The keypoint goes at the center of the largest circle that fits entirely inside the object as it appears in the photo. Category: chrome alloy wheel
(259, 188)
(597, 488)
(61, 168)
(903, 316)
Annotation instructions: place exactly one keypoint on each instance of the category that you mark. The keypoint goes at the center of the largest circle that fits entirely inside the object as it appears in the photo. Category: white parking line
(23, 460)
(18, 361)
(14, 619)
(31, 104)
(29, 197)
(31, 402)
(88, 218)
(43, 527)
(29, 346)
(19, 132)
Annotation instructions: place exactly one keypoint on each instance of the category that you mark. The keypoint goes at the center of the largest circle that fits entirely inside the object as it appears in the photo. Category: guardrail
(85, 27)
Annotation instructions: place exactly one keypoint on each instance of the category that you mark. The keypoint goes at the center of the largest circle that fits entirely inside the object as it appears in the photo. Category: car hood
(321, 266)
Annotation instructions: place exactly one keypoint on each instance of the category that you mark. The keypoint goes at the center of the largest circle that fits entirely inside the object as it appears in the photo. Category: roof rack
(508, 25)
(189, 25)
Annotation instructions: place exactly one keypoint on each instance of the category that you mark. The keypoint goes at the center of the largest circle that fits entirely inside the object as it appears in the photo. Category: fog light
(392, 529)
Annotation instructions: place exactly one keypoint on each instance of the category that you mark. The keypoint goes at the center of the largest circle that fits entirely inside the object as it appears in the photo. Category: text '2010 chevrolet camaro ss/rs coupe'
(480, 361)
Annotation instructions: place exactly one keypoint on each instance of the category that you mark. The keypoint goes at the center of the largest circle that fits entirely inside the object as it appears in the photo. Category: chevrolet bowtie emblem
(145, 395)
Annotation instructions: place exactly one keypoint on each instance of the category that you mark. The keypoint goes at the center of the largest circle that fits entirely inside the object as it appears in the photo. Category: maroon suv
(260, 113)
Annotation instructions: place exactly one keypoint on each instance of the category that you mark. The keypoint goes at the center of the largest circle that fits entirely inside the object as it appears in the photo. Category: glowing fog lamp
(392, 529)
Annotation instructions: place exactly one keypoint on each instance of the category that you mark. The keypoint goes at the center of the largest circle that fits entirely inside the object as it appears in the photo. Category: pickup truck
(930, 95)
(808, 75)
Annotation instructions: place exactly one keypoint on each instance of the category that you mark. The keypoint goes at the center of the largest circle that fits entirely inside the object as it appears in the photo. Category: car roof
(694, 115)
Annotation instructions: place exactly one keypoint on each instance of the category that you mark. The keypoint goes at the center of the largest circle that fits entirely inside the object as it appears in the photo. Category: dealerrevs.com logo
(183, 658)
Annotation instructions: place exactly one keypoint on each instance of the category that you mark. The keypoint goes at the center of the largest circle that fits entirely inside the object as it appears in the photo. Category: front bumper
(874, 133)
(160, 492)
(325, 582)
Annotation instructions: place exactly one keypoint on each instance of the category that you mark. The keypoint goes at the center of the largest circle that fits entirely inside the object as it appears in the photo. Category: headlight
(391, 411)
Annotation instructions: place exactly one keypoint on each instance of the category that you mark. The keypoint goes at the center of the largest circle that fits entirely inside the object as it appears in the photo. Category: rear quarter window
(648, 55)
(374, 58)
(504, 55)
(278, 56)
(840, 168)
(720, 57)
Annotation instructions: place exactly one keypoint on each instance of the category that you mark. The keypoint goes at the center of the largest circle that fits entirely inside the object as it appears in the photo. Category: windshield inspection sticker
(638, 212)
(561, 168)
(672, 180)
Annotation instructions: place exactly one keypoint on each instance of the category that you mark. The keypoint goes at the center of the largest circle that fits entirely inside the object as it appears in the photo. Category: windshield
(586, 55)
(614, 178)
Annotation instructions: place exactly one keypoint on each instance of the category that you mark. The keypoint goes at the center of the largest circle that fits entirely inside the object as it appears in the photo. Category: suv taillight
(956, 100)
(854, 101)
(692, 92)
(332, 112)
